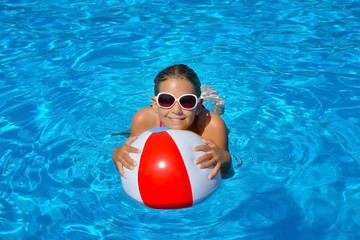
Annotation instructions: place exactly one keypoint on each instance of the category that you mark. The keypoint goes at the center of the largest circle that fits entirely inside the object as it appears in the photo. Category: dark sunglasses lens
(188, 101)
(166, 100)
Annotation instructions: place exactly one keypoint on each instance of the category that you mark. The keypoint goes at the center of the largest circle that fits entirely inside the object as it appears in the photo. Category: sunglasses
(186, 101)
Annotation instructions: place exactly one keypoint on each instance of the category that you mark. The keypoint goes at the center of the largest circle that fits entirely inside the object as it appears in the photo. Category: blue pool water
(72, 73)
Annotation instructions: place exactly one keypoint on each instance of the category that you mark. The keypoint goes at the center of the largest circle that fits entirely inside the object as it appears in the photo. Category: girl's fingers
(131, 149)
(129, 162)
(130, 140)
(207, 147)
(203, 148)
(120, 169)
(205, 157)
(208, 142)
(121, 158)
(207, 164)
(215, 171)
(129, 159)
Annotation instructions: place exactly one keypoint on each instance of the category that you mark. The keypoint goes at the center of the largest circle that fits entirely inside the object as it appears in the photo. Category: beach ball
(166, 176)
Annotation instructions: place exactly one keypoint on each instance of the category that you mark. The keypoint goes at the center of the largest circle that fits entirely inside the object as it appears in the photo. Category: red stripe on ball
(163, 178)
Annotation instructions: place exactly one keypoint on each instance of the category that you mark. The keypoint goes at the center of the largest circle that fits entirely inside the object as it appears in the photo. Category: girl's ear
(154, 104)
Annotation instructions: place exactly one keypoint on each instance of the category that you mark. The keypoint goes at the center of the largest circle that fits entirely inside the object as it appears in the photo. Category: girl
(176, 105)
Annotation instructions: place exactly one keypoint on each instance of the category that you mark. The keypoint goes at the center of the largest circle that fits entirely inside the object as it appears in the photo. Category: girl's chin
(176, 125)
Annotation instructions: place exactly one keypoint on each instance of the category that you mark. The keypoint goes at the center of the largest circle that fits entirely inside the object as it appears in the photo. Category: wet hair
(180, 71)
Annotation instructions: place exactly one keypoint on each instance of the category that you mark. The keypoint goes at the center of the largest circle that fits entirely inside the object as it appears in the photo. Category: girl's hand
(214, 156)
(121, 158)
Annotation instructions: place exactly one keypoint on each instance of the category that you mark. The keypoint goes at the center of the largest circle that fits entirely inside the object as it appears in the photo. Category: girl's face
(176, 117)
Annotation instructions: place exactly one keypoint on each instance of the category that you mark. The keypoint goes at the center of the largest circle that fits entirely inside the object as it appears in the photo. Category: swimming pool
(74, 73)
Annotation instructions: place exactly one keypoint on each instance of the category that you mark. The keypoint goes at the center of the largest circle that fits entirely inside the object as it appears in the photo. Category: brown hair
(178, 71)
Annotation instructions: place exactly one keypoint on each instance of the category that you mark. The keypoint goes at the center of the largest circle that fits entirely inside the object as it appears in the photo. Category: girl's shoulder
(209, 121)
(213, 127)
(145, 111)
(144, 119)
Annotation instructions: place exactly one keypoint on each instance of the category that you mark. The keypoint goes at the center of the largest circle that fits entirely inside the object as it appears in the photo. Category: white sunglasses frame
(178, 100)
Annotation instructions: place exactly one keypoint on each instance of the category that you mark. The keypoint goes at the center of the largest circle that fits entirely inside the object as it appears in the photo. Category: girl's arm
(142, 121)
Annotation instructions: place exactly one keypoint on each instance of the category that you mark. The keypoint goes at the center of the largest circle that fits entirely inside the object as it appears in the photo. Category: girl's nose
(177, 108)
